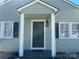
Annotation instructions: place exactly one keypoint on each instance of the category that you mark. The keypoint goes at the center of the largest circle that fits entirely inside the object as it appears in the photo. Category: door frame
(39, 20)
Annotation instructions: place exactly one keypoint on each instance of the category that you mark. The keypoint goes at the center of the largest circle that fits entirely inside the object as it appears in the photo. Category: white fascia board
(55, 9)
(30, 4)
(26, 6)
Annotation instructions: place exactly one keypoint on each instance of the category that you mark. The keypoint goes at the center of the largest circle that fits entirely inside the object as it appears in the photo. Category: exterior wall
(27, 35)
(9, 45)
(68, 16)
(67, 13)
(8, 13)
(62, 45)
(68, 44)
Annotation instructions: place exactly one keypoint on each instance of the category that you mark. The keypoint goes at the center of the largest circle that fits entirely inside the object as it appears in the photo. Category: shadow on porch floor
(37, 53)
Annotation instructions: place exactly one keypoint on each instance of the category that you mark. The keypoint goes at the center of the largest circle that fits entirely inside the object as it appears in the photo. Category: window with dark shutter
(16, 30)
(57, 30)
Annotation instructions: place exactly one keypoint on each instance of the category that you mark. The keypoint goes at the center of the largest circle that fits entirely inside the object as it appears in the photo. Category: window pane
(7, 29)
(75, 26)
(75, 34)
(64, 27)
(64, 30)
(75, 30)
(64, 34)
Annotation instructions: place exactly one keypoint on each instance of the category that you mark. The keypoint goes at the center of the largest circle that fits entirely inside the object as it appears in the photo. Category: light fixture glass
(47, 23)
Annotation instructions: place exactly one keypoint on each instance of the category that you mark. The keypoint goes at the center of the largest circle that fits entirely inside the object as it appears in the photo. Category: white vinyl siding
(69, 30)
(2, 2)
(6, 29)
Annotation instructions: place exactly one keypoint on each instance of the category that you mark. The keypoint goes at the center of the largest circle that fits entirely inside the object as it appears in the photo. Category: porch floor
(37, 53)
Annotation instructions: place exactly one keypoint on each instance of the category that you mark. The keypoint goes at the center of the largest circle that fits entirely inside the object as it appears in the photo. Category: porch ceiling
(37, 16)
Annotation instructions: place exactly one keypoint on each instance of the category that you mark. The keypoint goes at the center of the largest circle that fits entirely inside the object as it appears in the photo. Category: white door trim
(44, 34)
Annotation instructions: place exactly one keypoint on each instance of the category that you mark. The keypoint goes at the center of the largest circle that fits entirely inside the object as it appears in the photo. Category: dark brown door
(38, 35)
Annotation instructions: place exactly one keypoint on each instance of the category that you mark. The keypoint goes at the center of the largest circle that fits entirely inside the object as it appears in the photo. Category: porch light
(47, 23)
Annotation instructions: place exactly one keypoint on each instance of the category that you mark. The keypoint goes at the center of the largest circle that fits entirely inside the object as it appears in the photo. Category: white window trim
(70, 30)
(2, 28)
(4, 3)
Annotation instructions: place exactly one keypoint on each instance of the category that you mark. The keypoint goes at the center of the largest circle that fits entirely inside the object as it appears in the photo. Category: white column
(21, 36)
(53, 35)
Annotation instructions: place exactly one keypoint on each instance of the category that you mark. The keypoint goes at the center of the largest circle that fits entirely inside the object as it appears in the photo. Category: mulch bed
(7, 55)
(67, 55)
(4, 55)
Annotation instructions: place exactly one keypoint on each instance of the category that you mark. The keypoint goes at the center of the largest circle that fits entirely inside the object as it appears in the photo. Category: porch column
(21, 36)
(53, 35)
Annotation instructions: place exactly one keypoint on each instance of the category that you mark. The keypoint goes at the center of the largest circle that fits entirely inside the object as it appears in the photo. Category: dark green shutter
(16, 30)
(57, 30)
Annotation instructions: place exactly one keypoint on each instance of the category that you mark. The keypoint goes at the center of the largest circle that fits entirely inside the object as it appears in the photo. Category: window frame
(60, 30)
(70, 30)
(2, 28)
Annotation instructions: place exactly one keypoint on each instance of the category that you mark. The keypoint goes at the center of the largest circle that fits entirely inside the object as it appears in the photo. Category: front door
(38, 34)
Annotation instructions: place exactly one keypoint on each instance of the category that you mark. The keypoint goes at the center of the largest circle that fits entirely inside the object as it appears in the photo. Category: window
(6, 29)
(75, 30)
(64, 30)
(68, 30)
